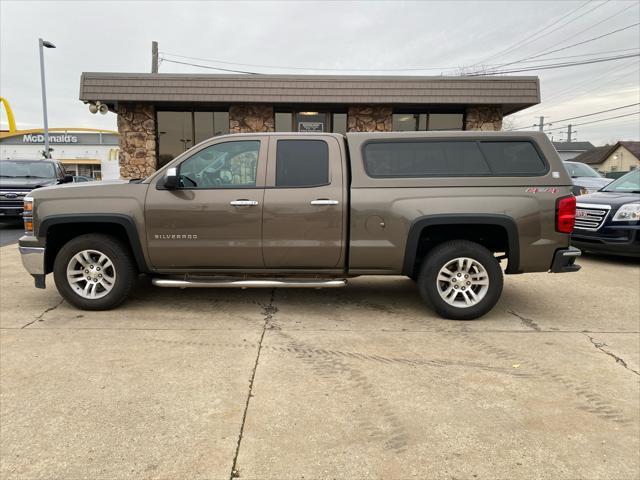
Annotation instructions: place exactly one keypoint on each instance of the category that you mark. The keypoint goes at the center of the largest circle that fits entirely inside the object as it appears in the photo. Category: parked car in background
(585, 179)
(608, 221)
(82, 178)
(19, 177)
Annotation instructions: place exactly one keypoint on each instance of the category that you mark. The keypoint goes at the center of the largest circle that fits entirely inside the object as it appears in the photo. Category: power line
(517, 44)
(595, 121)
(556, 65)
(280, 67)
(581, 116)
(208, 66)
(528, 69)
(596, 24)
(571, 46)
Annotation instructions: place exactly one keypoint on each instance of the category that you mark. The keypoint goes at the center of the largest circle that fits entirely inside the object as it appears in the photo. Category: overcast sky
(441, 37)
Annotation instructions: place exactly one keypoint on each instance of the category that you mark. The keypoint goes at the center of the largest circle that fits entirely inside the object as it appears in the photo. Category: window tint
(302, 163)
(424, 159)
(225, 165)
(513, 158)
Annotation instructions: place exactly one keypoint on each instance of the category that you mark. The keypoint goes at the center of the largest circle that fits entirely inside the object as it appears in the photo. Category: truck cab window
(302, 163)
(224, 165)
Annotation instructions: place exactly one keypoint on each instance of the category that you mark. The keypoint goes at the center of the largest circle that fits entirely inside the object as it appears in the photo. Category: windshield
(26, 169)
(629, 183)
(580, 170)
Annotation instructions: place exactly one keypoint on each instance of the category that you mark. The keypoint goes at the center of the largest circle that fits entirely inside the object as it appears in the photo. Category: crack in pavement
(39, 317)
(527, 322)
(269, 311)
(620, 361)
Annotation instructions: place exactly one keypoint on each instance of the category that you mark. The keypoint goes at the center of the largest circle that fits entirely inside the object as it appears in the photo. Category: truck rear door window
(513, 158)
(302, 163)
(424, 159)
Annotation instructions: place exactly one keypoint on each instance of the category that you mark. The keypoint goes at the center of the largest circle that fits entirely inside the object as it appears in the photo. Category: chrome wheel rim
(462, 282)
(91, 274)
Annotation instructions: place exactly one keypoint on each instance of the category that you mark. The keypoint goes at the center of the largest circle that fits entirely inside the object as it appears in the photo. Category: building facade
(162, 115)
(86, 153)
(570, 150)
(621, 157)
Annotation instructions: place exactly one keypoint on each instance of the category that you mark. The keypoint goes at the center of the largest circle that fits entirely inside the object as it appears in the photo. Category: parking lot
(360, 382)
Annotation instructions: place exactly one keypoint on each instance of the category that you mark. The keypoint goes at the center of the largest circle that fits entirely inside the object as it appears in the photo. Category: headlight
(628, 213)
(27, 215)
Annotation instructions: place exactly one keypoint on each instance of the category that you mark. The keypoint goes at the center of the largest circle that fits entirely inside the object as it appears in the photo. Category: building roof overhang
(511, 94)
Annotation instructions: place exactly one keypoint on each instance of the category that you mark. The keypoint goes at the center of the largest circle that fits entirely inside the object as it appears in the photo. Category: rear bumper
(618, 240)
(33, 262)
(564, 260)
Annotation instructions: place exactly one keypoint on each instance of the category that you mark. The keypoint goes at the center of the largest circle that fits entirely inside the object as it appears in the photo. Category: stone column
(363, 118)
(137, 129)
(251, 118)
(483, 118)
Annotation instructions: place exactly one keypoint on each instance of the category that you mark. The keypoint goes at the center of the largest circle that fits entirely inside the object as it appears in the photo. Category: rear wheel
(94, 272)
(462, 280)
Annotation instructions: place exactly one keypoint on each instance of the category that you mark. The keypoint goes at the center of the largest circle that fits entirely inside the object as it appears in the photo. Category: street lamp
(46, 44)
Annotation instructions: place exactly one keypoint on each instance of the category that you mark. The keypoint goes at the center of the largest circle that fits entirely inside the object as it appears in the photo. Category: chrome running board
(229, 283)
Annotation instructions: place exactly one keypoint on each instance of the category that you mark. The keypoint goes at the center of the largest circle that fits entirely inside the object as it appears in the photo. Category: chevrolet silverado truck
(313, 210)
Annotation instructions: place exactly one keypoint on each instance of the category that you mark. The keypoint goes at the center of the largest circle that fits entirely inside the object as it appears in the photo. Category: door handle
(243, 203)
(324, 201)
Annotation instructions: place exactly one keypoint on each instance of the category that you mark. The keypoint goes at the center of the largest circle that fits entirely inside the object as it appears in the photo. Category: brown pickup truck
(312, 210)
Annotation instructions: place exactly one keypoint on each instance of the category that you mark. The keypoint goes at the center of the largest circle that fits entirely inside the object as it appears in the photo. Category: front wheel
(462, 280)
(94, 272)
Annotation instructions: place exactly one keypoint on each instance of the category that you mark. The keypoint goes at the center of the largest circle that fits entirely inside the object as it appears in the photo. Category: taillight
(565, 214)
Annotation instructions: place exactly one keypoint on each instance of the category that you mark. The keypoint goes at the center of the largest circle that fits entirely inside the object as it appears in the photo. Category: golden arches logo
(10, 118)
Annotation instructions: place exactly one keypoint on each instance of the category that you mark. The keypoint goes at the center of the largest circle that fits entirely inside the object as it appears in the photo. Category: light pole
(44, 43)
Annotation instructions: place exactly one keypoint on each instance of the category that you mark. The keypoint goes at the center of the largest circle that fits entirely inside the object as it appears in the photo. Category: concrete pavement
(361, 382)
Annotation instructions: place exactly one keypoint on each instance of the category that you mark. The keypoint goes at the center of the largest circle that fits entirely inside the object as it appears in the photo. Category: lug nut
(466, 276)
(459, 274)
(91, 266)
(98, 268)
(454, 280)
(86, 271)
(455, 286)
(468, 283)
(100, 275)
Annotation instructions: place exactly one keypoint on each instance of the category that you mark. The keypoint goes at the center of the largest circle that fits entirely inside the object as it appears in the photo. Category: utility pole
(154, 57)
(541, 124)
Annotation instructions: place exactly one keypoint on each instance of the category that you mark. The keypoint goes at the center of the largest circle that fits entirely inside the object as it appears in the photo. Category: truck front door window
(224, 165)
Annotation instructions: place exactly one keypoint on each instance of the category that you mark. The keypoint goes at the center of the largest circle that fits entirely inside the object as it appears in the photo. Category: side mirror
(67, 179)
(171, 178)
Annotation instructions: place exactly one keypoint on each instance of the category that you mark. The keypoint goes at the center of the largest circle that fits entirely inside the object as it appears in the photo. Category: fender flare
(420, 223)
(118, 219)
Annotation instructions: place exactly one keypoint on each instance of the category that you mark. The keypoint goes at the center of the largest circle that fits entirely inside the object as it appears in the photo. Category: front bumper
(564, 260)
(33, 262)
(613, 240)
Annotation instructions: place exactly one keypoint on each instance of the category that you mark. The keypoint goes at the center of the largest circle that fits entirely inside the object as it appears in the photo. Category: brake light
(565, 214)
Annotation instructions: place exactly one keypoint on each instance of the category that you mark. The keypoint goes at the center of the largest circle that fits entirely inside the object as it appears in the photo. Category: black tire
(441, 256)
(122, 264)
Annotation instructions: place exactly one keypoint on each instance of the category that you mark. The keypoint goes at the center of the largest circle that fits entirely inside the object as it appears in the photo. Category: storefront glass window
(405, 122)
(445, 121)
(410, 122)
(339, 123)
(284, 121)
(311, 122)
(179, 131)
